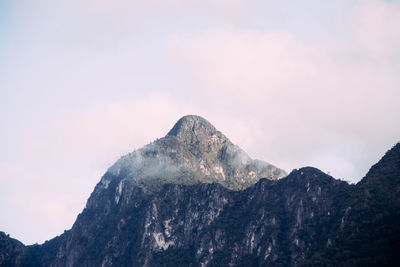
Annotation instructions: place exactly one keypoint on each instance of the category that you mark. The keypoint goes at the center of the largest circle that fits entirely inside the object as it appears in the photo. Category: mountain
(193, 151)
(193, 214)
(369, 232)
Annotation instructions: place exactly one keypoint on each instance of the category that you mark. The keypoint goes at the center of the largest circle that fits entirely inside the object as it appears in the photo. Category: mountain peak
(193, 151)
(192, 127)
(386, 172)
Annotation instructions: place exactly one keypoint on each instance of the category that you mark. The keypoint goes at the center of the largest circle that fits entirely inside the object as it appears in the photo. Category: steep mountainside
(370, 228)
(11, 250)
(136, 217)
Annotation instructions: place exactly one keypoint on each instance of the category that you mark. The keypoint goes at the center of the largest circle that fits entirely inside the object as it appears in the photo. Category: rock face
(11, 250)
(306, 218)
(272, 222)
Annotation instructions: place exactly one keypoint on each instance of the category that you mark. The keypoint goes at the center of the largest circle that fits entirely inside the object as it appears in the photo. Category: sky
(83, 82)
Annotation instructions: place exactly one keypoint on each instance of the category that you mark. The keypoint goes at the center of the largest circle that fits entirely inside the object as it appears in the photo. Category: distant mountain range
(192, 198)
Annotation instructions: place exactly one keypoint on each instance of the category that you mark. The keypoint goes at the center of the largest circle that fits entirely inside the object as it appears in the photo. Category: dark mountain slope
(11, 250)
(370, 228)
(272, 222)
(152, 209)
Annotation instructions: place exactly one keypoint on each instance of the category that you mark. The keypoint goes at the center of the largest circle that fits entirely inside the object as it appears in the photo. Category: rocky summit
(192, 198)
(193, 151)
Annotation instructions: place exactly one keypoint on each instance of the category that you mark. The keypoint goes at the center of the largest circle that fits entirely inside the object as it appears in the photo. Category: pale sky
(82, 82)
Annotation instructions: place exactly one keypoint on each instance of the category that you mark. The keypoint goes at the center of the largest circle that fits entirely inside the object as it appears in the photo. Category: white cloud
(310, 99)
(374, 27)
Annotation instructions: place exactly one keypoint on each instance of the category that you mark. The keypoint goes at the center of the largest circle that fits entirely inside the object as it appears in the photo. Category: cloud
(168, 7)
(331, 98)
(374, 26)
